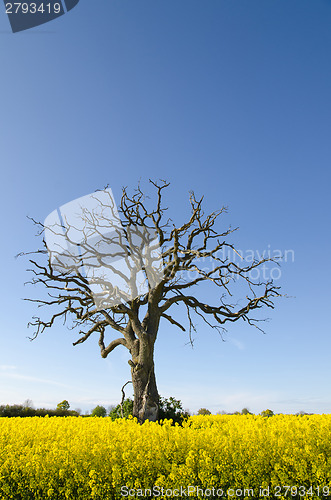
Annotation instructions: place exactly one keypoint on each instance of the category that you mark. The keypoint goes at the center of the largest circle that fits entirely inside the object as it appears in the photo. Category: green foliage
(245, 411)
(267, 413)
(168, 409)
(64, 405)
(99, 411)
(26, 411)
(127, 410)
(204, 411)
(172, 409)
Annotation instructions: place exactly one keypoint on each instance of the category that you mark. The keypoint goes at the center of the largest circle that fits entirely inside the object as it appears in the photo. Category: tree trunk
(146, 397)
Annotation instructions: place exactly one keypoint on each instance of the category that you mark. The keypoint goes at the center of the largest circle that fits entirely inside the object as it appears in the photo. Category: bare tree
(191, 253)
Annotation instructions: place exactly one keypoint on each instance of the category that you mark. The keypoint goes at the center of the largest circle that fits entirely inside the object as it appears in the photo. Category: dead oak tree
(79, 279)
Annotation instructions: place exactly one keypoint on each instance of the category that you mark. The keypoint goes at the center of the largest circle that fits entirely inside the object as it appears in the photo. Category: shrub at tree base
(168, 409)
(127, 409)
(79, 458)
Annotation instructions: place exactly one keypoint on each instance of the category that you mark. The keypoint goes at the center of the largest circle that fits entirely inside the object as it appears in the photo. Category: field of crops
(230, 456)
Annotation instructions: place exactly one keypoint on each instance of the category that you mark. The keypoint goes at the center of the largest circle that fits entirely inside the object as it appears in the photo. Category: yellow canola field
(93, 458)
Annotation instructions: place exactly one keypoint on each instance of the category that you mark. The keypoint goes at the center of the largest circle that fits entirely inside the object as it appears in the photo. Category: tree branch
(106, 350)
(192, 253)
(173, 322)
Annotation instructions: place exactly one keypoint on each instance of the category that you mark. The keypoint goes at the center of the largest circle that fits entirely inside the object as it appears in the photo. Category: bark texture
(146, 397)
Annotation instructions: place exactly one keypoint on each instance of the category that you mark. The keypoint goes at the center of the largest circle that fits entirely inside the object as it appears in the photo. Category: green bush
(99, 411)
(172, 409)
(168, 409)
(64, 405)
(245, 411)
(127, 410)
(267, 413)
(204, 411)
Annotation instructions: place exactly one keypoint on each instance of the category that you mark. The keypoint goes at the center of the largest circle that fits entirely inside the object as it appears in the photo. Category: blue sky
(229, 99)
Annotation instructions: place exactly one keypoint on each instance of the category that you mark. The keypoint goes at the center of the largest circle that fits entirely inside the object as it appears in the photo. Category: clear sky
(230, 99)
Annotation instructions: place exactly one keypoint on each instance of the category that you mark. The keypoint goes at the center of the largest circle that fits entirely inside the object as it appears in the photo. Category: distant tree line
(168, 409)
(27, 410)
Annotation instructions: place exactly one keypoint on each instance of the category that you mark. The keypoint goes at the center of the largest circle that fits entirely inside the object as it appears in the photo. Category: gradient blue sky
(229, 99)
